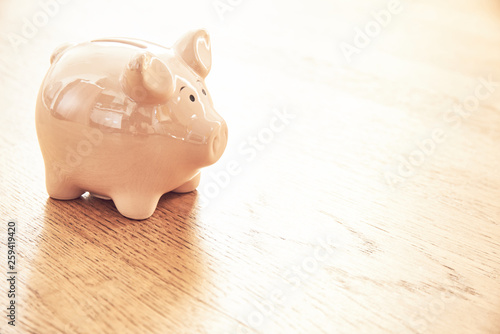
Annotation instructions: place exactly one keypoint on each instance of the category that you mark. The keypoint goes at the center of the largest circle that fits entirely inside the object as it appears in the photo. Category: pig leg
(61, 189)
(189, 185)
(136, 206)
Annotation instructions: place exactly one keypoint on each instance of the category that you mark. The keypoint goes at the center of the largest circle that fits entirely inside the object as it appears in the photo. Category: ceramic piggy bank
(128, 120)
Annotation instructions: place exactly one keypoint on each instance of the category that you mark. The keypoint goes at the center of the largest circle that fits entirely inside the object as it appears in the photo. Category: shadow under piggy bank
(101, 274)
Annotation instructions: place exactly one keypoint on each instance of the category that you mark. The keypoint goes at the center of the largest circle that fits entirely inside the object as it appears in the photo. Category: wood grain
(314, 220)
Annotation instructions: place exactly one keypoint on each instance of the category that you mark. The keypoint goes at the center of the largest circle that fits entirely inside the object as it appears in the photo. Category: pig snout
(217, 141)
(210, 135)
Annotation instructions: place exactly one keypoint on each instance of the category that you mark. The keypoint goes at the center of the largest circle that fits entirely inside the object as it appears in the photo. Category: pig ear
(194, 48)
(147, 79)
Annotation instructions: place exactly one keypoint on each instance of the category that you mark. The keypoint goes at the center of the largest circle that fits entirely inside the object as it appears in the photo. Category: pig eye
(191, 97)
(203, 91)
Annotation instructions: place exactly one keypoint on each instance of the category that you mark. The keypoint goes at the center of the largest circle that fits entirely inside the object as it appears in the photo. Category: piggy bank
(128, 120)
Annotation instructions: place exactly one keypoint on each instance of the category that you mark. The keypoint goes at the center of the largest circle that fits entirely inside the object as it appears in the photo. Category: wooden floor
(374, 206)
